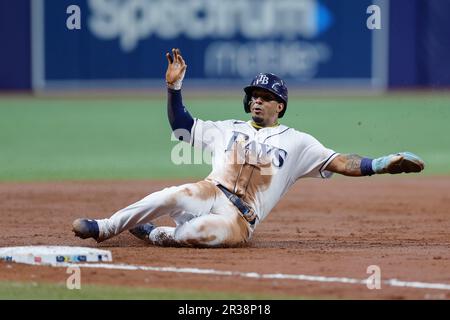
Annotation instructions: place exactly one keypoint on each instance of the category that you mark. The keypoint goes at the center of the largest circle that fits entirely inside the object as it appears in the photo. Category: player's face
(264, 107)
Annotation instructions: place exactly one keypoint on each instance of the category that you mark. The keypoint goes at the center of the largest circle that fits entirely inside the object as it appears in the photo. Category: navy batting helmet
(269, 82)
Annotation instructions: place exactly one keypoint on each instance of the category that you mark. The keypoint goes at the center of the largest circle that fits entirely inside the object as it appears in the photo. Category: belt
(247, 212)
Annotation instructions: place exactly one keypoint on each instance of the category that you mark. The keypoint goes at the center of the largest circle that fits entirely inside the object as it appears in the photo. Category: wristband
(176, 85)
(366, 167)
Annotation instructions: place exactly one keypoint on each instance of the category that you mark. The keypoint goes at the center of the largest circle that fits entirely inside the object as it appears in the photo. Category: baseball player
(254, 163)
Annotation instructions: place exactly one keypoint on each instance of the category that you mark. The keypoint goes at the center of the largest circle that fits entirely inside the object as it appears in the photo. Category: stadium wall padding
(419, 44)
(15, 47)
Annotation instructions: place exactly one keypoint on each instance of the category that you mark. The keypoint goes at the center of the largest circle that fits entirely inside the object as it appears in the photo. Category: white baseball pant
(203, 215)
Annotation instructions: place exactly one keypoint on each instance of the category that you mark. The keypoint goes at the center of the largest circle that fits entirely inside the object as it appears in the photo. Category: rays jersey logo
(258, 150)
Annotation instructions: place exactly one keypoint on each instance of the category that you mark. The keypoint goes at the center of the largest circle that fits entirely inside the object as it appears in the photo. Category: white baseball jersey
(260, 165)
(257, 165)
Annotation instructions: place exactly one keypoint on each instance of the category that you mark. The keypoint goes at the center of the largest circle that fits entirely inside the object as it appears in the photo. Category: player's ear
(280, 107)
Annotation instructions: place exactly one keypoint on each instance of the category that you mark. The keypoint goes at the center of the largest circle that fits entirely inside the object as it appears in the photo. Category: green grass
(60, 139)
(48, 291)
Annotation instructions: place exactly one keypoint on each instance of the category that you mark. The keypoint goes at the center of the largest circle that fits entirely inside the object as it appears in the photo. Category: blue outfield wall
(317, 42)
(15, 47)
(419, 45)
(434, 42)
(403, 57)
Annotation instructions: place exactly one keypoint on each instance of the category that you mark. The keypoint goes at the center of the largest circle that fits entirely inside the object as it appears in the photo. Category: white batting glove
(398, 163)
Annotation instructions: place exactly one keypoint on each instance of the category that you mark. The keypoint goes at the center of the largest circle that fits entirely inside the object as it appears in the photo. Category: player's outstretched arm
(354, 165)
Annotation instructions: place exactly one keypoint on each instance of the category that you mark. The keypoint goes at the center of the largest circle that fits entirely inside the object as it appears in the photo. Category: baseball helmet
(271, 83)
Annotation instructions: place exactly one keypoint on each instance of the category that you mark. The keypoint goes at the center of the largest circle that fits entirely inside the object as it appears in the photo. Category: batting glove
(398, 163)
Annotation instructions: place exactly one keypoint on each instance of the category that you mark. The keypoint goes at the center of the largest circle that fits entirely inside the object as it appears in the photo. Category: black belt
(247, 212)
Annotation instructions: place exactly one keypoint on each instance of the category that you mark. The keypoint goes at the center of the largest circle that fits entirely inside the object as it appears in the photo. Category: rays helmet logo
(262, 79)
(271, 83)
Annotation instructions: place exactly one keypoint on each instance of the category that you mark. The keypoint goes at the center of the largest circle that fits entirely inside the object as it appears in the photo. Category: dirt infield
(334, 228)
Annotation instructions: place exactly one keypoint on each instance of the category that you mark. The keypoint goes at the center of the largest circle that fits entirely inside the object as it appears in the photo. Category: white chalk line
(255, 275)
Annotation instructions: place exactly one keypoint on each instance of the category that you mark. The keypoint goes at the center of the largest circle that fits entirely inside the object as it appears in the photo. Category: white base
(53, 255)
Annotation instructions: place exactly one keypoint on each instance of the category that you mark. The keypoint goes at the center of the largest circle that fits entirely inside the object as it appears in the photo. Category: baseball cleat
(86, 228)
(142, 231)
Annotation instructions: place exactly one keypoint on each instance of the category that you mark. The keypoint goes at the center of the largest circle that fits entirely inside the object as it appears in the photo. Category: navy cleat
(142, 231)
(86, 228)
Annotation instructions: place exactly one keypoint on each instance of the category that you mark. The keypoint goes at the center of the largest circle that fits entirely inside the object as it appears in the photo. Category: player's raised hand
(175, 70)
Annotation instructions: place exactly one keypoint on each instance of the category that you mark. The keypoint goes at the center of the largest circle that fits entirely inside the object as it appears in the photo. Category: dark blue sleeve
(179, 117)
